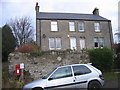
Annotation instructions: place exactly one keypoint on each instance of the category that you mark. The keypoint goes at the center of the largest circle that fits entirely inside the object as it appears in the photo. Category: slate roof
(69, 16)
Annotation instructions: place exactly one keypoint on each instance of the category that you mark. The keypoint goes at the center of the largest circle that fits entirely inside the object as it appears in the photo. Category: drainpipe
(110, 32)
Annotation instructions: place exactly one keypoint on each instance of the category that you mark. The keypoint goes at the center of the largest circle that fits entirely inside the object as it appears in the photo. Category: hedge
(102, 58)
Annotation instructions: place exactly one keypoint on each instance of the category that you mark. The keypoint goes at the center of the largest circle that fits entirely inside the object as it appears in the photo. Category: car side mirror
(50, 78)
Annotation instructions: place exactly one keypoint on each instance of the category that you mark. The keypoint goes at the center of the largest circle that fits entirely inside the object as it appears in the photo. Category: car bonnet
(36, 83)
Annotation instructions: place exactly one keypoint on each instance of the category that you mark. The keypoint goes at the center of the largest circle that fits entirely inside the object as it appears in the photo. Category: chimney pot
(37, 7)
(96, 12)
(36, 3)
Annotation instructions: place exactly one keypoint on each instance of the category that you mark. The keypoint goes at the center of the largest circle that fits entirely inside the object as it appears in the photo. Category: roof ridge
(63, 13)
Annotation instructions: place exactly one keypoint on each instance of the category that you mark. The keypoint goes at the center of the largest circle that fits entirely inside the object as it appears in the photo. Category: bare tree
(22, 29)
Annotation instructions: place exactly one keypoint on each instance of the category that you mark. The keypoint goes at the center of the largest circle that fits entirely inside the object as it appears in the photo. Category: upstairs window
(81, 26)
(97, 27)
(54, 26)
(98, 42)
(71, 26)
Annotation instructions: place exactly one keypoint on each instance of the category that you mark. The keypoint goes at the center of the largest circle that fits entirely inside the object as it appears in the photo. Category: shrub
(102, 58)
(37, 52)
(26, 48)
(117, 56)
(69, 50)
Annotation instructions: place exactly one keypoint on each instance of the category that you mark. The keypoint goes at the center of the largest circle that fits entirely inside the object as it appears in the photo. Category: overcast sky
(11, 9)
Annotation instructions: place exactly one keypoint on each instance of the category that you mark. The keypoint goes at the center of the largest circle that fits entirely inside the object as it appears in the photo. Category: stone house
(61, 31)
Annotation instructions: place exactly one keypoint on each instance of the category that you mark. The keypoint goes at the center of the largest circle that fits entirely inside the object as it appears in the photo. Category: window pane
(95, 39)
(54, 26)
(81, 26)
(82, 42)
(51, 43)
(80, 70)
(101, 42)
(96, 42)
(97, 27)
(71, 26)
(58, 43)
(62, 73)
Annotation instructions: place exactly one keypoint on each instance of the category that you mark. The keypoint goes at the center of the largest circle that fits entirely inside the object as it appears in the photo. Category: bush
(27, 48)
(37, 52)
(117, 56)
(69, 50)
(102, 58)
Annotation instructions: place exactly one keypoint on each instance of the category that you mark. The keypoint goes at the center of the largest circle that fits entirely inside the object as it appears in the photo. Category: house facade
(61, 31)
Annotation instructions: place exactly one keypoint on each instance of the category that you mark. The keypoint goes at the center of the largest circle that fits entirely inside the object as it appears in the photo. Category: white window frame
(51, 48)
(97, 26)
(96, 40)
(55, 41)
(54, 26)
(81, 25)
(72, 26)
(58, 40)
(99, 41)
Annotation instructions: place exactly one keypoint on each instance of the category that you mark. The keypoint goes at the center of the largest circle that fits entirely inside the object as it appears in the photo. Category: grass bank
(111, 75)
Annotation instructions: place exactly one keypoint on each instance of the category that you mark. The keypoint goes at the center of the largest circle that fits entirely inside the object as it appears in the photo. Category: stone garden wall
(39, 66)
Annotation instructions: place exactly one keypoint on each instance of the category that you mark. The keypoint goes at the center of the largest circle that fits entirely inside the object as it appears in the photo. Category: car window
(62, 73)
(45, 77)
(80, 70)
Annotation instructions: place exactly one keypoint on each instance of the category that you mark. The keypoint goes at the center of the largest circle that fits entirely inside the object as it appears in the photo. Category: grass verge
(111, 75)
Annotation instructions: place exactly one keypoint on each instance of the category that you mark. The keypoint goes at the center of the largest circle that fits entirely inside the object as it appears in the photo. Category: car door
(81, 75)
(61, 78)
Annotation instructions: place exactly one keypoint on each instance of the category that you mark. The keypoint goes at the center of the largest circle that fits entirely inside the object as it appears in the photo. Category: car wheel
(94, 85)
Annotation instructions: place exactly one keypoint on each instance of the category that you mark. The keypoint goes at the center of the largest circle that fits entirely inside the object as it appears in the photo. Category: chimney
(96, 12)
(37, 7)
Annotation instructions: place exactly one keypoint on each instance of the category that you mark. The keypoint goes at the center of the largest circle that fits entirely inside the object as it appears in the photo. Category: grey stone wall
(63, 31)
(42, 65)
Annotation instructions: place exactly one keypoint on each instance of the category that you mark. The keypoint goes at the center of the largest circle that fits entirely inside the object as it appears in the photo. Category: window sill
(98, 31)
(52, 48)
(58, 48)
(72, 31)
(81, 31)
(54, 31)
(98, 47)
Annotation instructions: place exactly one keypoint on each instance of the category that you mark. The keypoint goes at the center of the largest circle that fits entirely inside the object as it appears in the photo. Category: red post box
(18, 70)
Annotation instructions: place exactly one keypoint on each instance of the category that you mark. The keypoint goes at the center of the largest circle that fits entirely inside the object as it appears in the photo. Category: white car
(77, 76)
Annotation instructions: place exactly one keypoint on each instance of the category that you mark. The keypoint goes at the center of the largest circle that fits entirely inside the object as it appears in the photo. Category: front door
(61, 78)
(73, 43)
(82, 43)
